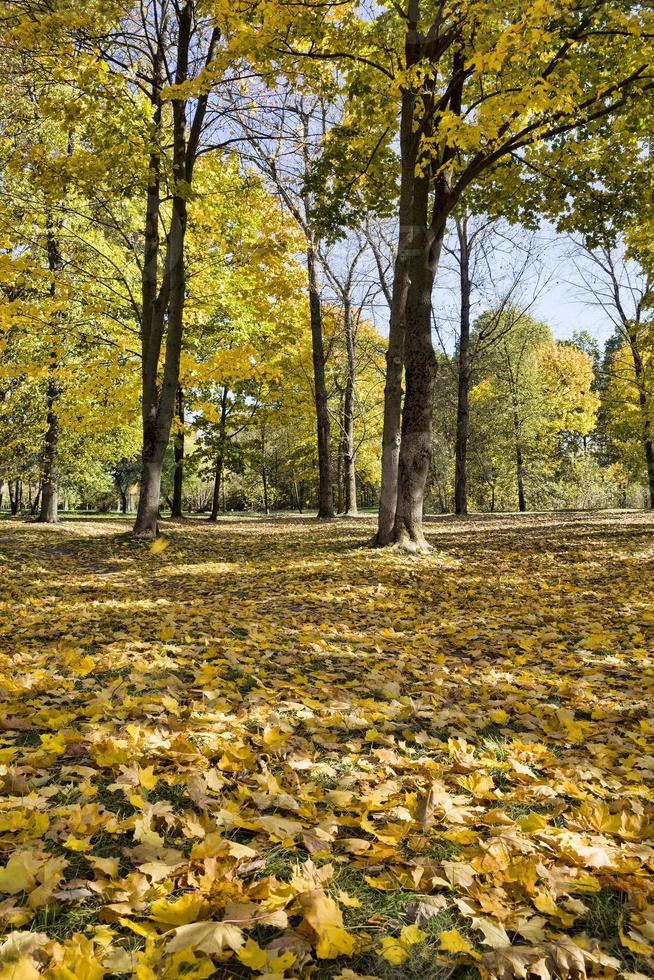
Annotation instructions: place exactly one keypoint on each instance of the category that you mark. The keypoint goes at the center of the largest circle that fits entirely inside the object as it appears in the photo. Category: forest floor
(269, 750)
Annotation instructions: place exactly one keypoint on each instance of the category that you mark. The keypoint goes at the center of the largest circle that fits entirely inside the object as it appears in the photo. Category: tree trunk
(50, 474)
(123, 501)
(325, 492)
(37, 500)
(217, 484)
(50, 466)
(420, 362)
(13, 497)
(391, 435)
(649, 458)
(220, 457)
(178, 478)
(349, 453)
(463, 393)
(519, 465)
(264, 473)
(648, 446)
(158, 403)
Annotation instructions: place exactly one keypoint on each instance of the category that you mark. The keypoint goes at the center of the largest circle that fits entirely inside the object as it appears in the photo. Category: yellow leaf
(19, 875)
(208, 937)
(147, 778)
(21, 969)
(350, 901)
(635, 945)
(452, 941)
(159, 544)
(393, 950)
(326, 919)
(85, 666)
(78, 844)
(252, 955)
(53, 743)
(410, 935)
(178, 913)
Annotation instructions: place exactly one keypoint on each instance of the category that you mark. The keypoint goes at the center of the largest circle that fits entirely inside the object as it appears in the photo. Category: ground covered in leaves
(266, 750)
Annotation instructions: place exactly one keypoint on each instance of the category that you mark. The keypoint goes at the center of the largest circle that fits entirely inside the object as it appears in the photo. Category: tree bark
(14, 498)
(463, 392)
(158, 403)
(50, 464)
(50, 471)
(391, 434)
(123, 501)
(643, 401)
(264, 473)
(519, 461)
(325, 491)
(420, 361)
(349, 453)
(178, 477)
(220, 457)
(217, 484)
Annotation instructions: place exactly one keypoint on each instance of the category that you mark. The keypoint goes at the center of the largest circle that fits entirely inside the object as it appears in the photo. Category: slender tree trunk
(264, 472)
(349, 455)
(50, 472)
(220, 457)
(50, 464)
(649, 458)
(643, 401)
(37, 500)
(178, 478)
(325, 491)
(217, 486)
(123, 501)
(13, 497)
(519, 461)
(463, 393)
(339, 464)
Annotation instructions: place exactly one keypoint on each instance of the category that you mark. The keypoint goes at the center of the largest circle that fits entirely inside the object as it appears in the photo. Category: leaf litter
(267, 751)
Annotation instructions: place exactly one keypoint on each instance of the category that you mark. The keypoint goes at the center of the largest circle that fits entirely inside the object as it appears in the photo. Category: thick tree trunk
(178, 477)
(349, 453)
(420, 361)
(155, 440)
(325, 491)
(158, 403)
(160, 410)
(50, 474)
(391, 435)
(463, 393)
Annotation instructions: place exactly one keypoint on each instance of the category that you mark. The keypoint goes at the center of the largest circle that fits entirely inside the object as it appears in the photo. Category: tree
(475, 88)
(625, 293)
(537, 396)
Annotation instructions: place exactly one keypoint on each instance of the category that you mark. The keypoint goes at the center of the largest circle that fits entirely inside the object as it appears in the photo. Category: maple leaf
(208, 937)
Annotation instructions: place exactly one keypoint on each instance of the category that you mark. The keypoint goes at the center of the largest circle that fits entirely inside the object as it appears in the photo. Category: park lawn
(267, 749)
